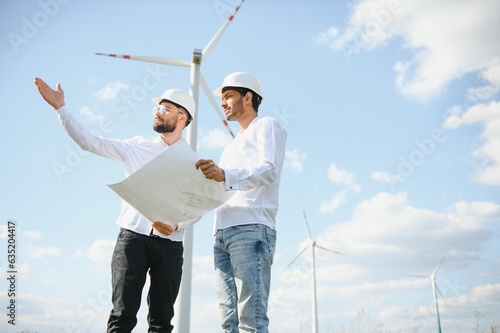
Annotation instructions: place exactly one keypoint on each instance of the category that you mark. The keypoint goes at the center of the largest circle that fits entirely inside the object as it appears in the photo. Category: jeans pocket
(271, 242)
(126, 244)
(126, 234)
(246, 227)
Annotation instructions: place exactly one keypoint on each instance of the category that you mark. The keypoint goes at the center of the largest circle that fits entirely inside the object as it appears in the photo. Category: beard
(236, 109)
(165, 127)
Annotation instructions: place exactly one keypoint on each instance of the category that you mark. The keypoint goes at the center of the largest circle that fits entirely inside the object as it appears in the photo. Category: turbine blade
(211, 44)
(437, 268)
(307, 224)
(419, 276)
(157, 60)
(210, 96)
(332, 251)
(297, 257)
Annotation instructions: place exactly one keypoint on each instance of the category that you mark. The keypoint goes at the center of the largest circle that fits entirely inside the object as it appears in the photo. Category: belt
(153, 235)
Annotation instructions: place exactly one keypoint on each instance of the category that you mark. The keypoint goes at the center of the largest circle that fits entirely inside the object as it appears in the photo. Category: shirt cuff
(232, 182)
(63, 110)
(187, 224)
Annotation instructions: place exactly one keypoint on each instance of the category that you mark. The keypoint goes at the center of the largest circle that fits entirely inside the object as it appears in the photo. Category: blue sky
(393, 116)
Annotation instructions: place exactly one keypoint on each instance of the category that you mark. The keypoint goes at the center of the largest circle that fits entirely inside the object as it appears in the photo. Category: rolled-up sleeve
(187, 224)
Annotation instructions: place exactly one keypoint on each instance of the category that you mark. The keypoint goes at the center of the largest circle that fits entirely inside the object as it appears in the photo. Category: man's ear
(185, 118)
(248, 97)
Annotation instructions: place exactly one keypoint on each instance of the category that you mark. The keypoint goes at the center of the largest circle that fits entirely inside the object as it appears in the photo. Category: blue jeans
(243, 256)
(134, 256)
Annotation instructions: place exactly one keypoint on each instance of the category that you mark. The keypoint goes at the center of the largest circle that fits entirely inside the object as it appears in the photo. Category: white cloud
(328, 35)
(387, 224)
(32, 234)
(42, 252)
(449, 39)
(3, 231)
(26, 233)
(294, 160)
(61, 314)
(21, 269)
(202, 275)
(110, 91)
(203, 288)
(91, 117)
(101, 250)
(338, 176)
(481, 93)
(470, 212)
(215, 138)
(334, 202)
(454, 118)
(488, 115)
(386, 177)
(490, 84)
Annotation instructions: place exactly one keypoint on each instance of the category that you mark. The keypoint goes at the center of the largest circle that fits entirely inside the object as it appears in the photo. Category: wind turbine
(435, 288)
(313, 245)
(183, 303)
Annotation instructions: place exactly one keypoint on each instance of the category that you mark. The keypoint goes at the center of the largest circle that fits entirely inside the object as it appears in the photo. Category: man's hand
(54, 97)
(211, 170)
(164, 228)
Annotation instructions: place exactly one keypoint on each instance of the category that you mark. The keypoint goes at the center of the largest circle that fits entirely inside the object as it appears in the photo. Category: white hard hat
(242, 80)
(178, 97)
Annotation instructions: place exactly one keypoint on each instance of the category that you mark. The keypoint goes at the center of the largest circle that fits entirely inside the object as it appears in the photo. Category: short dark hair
(256, 98)
(189, 119)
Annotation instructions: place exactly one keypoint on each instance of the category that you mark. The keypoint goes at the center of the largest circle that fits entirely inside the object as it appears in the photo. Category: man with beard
(245, 226)
(142, 246)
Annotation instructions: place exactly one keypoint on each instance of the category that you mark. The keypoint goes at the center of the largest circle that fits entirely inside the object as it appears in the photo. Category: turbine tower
(313, 245)
(183, 303)
(435, 289)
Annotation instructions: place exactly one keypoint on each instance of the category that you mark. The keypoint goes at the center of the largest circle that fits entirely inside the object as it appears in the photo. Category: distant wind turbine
(312, 245)
(183, 304)
(435, 288)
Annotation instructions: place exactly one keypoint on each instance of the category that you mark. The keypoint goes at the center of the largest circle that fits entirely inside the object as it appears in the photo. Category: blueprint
(170, 188)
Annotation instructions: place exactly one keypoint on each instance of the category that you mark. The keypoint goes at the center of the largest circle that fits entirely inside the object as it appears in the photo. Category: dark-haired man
(245, 226)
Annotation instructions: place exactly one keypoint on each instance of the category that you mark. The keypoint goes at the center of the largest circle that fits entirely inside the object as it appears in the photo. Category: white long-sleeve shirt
(252, 164)
(133, 153)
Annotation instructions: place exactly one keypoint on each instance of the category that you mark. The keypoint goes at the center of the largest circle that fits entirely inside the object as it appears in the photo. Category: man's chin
(163, 129)
(159, 129)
